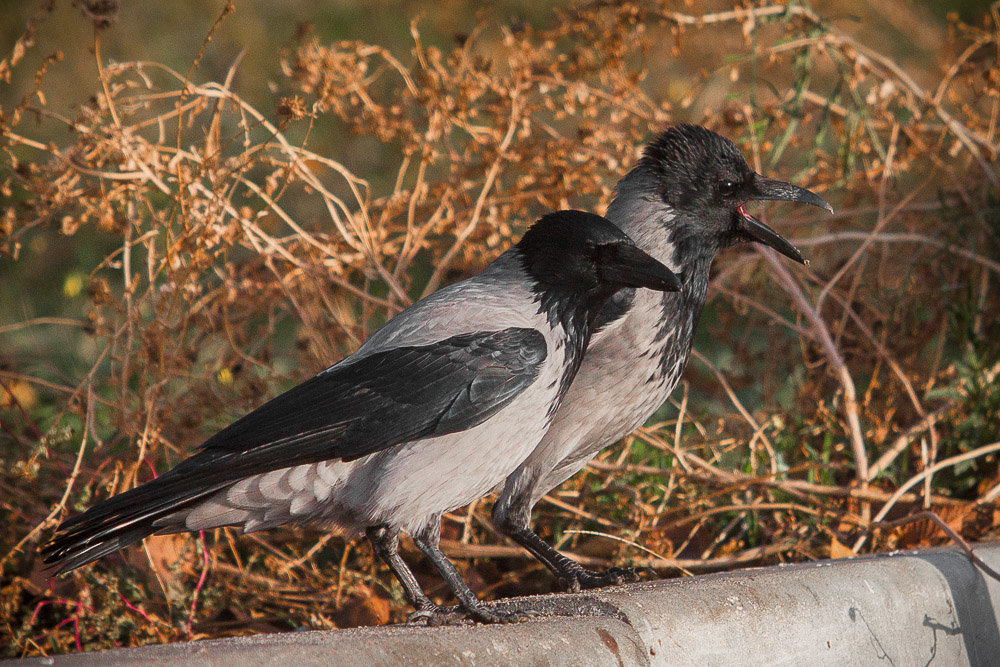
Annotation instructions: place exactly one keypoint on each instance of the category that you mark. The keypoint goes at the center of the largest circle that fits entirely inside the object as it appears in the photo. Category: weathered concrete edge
(907, 607)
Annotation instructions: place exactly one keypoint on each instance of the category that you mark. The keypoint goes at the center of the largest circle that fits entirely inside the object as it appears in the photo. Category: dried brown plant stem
(652, 439)
(741, 15)
(868, 57)
(884, 354)
(883, 220)
(36, 321)
(456, 549)
(632, 543)
(757, 428)
(771, 507)
(943, 463)
(717, 477)
(899, 237)
(740, 298)
(969, 138)
(463, 234)
(928, 515)
(919, 477)
(904, 440)
(822, 335)
(678, 428)
(583, 514)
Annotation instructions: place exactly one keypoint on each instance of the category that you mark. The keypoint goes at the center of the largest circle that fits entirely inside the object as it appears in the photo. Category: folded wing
(348, 411)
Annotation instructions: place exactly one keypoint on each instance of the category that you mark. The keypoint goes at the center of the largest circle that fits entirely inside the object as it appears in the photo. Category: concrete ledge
(557, 641)
(915, 608)
(918, 607)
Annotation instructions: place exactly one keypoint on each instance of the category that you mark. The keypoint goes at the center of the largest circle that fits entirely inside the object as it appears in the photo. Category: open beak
(769, 189)
(626, 265)
(761, 233)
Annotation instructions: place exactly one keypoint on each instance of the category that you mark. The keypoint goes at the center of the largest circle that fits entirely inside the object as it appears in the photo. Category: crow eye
(728, 188)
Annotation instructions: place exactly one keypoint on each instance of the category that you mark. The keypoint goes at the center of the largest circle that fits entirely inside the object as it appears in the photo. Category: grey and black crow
(682, 203)
(433, 411)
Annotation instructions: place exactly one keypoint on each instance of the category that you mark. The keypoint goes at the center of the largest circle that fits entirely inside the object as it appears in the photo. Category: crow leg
(428, 540)
(512, 517)
(385, 541)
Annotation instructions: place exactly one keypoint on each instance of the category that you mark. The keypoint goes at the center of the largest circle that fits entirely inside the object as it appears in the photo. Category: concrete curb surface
(913, 608)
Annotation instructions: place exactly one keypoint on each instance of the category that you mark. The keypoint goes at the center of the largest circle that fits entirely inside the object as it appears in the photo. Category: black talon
(576, 579)
(432, 615)
(486, 615)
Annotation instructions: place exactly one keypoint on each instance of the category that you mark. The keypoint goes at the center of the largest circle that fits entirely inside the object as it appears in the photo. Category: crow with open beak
(682, 203)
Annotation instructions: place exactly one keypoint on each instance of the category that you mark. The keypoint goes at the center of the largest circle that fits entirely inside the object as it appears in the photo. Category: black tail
(121, 521)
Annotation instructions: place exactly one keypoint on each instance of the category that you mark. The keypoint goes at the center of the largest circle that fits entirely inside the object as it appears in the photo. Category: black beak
(624, 265)
(761, 233)
(769, 189)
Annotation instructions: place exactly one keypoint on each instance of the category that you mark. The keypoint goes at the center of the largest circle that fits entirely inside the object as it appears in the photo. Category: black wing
(406, 393)
(348, 411)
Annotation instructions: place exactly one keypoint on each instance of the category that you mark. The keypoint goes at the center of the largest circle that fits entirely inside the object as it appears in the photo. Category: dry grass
(232, 260)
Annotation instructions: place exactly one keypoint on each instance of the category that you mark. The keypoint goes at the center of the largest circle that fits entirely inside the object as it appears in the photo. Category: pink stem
(201, 579)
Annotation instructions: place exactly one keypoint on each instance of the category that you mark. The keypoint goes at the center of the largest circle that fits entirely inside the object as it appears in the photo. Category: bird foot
(583, 579)
(435, 615)
(487, 614)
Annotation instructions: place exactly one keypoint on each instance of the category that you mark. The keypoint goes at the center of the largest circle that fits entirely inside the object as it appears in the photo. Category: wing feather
(350, 410)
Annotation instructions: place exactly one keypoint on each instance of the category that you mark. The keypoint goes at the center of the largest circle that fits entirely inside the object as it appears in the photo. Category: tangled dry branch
(236, 257)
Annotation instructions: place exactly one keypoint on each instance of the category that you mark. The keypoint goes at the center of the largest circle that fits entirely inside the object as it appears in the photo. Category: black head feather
(697, 169)
(703, 179)
(559, 250)
(581, 256)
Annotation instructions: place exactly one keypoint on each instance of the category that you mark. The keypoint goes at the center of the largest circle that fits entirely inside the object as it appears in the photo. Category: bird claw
(588, 579)
(488, 615)
(435, 615)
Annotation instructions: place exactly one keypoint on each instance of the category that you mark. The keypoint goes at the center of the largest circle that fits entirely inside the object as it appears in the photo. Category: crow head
(705, 181)
(583, 253)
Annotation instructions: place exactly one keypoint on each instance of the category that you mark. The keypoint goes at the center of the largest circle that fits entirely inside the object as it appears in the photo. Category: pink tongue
(742, 211)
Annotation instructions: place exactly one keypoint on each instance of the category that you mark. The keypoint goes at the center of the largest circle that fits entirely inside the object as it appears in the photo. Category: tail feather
(120, 521)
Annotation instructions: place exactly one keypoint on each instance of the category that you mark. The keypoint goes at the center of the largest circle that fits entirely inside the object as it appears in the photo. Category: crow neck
(669, 236)
(672, 238)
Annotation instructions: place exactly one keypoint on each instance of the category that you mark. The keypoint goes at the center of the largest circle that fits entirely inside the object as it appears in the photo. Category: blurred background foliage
(204, 203)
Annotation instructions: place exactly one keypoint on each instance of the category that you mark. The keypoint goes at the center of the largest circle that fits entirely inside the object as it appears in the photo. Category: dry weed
(233, 260)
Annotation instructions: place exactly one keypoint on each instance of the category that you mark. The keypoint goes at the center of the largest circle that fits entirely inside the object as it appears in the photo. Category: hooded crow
(682, 203)
(433, 411)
